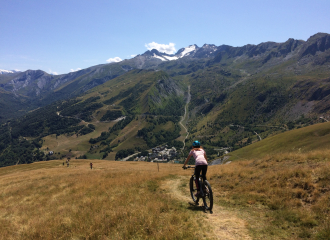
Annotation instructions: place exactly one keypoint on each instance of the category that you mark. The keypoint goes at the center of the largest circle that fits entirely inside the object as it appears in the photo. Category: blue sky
(64, 35)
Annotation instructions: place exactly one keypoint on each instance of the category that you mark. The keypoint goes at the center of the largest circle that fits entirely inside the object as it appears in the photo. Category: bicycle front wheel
(208, 195)
(193, 190)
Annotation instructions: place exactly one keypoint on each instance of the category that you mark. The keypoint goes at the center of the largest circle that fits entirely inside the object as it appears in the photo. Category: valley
(227, 97)
(260, 195)
(262, 111)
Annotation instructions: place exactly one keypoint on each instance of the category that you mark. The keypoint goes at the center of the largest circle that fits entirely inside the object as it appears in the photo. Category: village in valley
(160, 154)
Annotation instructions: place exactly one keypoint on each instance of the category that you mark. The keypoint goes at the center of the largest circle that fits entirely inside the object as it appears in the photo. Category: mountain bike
(205, 191)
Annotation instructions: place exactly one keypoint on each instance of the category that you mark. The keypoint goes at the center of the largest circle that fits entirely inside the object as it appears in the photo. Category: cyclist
(200, 162)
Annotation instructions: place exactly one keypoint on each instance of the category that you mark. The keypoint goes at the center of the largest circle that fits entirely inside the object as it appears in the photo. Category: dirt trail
(224, 223)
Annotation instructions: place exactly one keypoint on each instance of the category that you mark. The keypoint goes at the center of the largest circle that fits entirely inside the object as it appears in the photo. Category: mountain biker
(200, 162)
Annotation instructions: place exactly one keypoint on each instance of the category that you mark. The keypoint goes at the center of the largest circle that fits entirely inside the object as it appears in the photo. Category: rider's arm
(187, 160)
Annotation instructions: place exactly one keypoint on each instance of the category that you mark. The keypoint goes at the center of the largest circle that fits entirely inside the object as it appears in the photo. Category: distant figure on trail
(68, 161)
(200, 162)
(63, 163)
(91, 164)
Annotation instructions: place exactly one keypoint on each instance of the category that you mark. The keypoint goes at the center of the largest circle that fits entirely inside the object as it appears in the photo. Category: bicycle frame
(205, 195)
(201, 182)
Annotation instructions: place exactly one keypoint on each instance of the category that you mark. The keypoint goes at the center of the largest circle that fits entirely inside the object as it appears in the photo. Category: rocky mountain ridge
(36, 81)
(296, 56)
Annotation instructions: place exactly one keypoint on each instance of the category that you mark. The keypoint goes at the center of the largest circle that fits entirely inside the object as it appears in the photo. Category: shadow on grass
(192, 206)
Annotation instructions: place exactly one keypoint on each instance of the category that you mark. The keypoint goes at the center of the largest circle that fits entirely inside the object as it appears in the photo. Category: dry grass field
(281, 196)
(310, 138)
(115, 200)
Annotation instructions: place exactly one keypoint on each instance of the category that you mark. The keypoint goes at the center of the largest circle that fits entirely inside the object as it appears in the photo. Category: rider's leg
(197, 174)
(204, 171)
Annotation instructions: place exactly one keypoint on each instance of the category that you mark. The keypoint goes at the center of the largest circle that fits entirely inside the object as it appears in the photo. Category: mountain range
(8, 71)
(236, 96)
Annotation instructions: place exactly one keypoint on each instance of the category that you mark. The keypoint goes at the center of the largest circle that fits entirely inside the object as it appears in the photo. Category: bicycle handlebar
(187, 167)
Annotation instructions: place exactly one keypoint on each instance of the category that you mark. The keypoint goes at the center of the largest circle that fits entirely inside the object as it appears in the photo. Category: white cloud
(75, 70)
(133, 55)
(115, 59)
(53, 73)
(164, 48)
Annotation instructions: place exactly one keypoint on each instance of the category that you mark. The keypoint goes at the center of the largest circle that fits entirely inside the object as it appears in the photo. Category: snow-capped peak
(8, 71)
(181, 53)
(187, 50)
(165, 57)
(159, 57)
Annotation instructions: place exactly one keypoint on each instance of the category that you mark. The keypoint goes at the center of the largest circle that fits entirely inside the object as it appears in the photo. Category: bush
(85, 130)
(124, 153)
(103, 136)
(111, 115)
(91, 126)
(144, 153)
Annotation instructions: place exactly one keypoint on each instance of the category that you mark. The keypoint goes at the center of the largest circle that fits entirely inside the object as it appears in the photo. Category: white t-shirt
(199, 156)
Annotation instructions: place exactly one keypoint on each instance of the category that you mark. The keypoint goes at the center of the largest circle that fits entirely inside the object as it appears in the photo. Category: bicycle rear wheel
(193, 190)
(208, 196)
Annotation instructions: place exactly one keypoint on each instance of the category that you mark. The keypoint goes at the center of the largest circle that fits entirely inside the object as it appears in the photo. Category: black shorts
(199, 169)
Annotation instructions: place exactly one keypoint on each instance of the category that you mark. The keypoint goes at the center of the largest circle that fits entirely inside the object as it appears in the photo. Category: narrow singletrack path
(225, 224)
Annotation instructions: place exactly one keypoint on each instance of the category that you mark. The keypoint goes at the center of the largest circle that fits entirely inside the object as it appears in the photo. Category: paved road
(184, 117)
(219, 161)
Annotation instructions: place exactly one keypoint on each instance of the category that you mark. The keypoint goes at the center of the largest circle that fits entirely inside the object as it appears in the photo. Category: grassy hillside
(115, 200)
(12, 106)
(264, 103)
(314, 137)
(100, 122)
(238, 95)
(263, 89)
(282, 196)
(140, 95)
